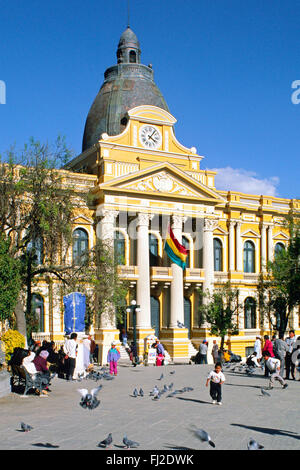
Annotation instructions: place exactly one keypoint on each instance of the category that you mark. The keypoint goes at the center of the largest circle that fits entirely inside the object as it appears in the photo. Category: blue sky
(225, 68)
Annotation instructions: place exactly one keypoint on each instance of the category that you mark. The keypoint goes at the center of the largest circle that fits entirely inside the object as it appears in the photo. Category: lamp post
(134, 308)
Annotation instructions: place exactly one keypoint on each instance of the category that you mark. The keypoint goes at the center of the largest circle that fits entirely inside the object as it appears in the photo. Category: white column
(208, 253)
(239, 248)
(263, 247)
(177, 303)
(143, 283)
(270, 244)
(231, 246)
(105, 231)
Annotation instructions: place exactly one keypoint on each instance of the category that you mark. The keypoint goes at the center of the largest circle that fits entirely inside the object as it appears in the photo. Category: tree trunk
(21, 319)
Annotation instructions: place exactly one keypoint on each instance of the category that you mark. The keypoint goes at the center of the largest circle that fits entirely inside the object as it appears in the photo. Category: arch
(249, 257)
(187, 315)
(279, 247)
(218, 255)
(37, 245)
(153, 250)
(80, 245)
(119, 248)
(250, 313)
(38, 307)
(132, 57)
(186, 244)
(155, 315)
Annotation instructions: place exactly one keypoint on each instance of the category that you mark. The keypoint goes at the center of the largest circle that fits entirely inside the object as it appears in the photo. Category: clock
(150, 137)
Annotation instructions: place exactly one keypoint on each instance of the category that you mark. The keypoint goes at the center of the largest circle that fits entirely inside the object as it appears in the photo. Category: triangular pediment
(164, 179)
(250, 234)
(281, 236)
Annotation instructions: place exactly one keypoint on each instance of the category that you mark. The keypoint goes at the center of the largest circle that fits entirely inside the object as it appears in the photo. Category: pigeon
(135, 393)
(106, 442)
(265, 393)
(203, 436)
(26, 427)
(254, 445)
(154, 391)
(129, 444)
(89, 400)
(166, 388)
(156, 395)
(172, 372)
(141, 392)
(179, 324)
(171, 386)
(80, 377)
(161, 377)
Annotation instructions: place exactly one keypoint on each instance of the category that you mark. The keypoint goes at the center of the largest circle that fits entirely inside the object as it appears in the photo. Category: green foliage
(12, 339)
(279, 289)
(10, 281)
(219, 310)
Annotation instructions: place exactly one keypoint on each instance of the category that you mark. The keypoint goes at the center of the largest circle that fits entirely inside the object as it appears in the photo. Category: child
(112, 358)
(273, 366)
(216, 379)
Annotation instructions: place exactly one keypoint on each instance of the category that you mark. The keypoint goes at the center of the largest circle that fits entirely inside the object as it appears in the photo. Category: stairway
(192, 350)
(124, 356)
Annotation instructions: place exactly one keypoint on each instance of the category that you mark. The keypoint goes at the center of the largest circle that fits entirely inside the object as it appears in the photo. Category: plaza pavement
(157, 425)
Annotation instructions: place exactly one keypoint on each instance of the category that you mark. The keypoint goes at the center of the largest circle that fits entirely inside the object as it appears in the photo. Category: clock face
(150, 137)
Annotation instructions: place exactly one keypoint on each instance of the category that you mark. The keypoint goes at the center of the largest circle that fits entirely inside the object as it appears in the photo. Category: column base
(176, 342)
(141, 334)
(104, 337)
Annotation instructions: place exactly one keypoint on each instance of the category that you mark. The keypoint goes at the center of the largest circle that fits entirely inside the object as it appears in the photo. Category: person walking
(273, 366)
(216, 378)
(112, 358)
(280, 349)
(203, 352)
(257, 347)
(215, 351)
(268, 347)
(289, 366)
(70, 349)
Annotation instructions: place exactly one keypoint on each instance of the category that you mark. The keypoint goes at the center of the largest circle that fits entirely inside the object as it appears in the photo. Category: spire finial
(128, 13)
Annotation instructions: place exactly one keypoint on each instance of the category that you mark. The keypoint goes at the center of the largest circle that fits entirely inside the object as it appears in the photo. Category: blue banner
(74, 312)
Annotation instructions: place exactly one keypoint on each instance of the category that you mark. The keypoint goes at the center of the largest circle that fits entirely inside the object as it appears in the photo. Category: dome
(126, 85)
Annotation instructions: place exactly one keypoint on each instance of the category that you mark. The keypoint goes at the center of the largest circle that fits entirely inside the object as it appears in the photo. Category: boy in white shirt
(216, 379)
(273, 365)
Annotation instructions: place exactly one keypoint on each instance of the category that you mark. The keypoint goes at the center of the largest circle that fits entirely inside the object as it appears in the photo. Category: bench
(20, 376)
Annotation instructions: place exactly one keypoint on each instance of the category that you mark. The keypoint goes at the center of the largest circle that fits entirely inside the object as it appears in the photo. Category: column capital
(143, 219)
(108, 215)
(210, 225)
(231, 223)
(177, 221)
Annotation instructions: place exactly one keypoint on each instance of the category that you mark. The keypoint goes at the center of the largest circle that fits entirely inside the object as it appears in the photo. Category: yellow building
(143, 179)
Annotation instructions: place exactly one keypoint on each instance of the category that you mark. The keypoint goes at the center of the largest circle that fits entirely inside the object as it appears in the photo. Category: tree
(36, 208)
(10, 282)
(279, 288)
(219, 309)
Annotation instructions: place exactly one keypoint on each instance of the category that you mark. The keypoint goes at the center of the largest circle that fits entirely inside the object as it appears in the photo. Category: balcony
(158, 273)
(128, 272)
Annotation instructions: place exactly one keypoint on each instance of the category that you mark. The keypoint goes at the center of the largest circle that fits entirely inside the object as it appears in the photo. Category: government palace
(144, 179)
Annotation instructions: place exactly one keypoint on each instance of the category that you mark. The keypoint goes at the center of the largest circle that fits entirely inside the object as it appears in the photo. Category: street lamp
(134, 308)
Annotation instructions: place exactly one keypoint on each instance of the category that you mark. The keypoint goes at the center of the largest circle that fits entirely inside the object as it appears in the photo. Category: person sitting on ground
(252, 361)
(226, 356)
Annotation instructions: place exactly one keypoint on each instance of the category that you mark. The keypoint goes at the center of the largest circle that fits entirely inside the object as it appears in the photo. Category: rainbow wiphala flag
(176, 252)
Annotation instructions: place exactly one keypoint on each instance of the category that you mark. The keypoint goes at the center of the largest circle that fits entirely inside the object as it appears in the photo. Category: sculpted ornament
(210, 224)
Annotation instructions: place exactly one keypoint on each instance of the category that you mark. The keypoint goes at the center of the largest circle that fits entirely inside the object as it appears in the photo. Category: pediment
(250, 234)
(82, 219)
(164, 179)
(281, 236)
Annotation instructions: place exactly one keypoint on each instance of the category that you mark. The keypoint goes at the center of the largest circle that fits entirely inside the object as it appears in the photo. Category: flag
(176, 252)
(74, 312)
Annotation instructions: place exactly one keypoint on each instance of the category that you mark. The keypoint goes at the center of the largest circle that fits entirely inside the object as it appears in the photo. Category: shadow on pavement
(272, 431)
(192, 399)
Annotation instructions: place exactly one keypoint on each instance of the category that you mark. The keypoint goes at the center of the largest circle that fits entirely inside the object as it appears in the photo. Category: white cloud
(238, 179)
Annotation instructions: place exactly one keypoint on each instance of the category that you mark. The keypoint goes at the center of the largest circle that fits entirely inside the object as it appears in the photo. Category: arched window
(132, 57)
(186, 244)
(37, 305)
(250, 313)
(119, 248)
(249, 257)
(279, 247)
(37, 247)
(153, 250)
(217, 255)
(80, 245)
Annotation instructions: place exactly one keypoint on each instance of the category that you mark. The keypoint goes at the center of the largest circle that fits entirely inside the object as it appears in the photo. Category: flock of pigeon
(90, 401)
